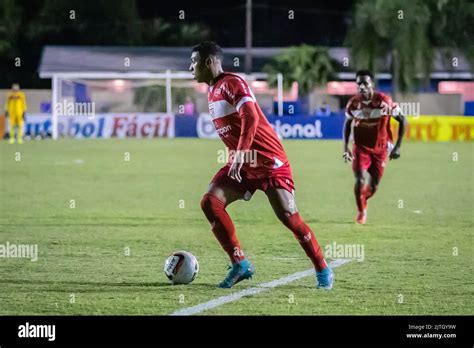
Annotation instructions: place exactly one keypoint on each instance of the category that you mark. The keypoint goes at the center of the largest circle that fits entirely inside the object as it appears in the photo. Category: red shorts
(374, 163)
(280, 177)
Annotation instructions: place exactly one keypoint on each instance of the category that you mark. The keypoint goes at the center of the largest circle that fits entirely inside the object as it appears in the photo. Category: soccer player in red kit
(258, 162)
(370, 111)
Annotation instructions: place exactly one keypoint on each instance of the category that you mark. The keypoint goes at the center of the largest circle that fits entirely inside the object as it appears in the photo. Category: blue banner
(287, 127)
(185, 126)
(308, 127)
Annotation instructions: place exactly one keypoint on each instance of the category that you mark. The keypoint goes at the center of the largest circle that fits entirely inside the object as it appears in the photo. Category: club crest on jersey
(216, 92)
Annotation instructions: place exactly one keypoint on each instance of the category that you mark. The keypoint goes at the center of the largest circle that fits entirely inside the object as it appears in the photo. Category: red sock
(222, 226)
(307, 240)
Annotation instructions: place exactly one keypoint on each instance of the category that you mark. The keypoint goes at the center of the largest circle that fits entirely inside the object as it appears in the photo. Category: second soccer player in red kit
(257, 162)
(370, 111)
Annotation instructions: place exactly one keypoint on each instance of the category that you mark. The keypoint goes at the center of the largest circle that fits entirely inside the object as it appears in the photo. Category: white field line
(253, 291)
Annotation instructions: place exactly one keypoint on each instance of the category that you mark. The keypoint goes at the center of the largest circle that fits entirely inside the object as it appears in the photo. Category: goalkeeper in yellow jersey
(15, 108)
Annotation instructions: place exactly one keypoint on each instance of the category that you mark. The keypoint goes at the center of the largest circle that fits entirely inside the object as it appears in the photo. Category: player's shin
(307, 240)
(12, 130)
(222, 226)
(359, 196)
(368, 191)
(20, 131)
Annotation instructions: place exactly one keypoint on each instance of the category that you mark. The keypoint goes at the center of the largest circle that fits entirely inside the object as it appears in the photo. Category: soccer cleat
(361, 217)
(20, 141)
(325, 279)
(238, 272)
(11, 140)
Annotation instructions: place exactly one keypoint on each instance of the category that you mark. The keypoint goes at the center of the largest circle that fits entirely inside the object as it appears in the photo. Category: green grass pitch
(103, 252)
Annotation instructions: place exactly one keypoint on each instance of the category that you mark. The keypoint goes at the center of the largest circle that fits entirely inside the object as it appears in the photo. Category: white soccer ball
(181, 267)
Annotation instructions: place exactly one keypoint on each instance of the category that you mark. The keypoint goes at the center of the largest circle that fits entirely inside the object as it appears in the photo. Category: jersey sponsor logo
(223, 130)
(367, 113)
(366, 123)
(380, 105)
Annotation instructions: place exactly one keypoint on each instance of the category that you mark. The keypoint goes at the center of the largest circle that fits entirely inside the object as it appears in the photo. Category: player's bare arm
(395, 153)
(346, 152)
(236, 166)
(249, 122)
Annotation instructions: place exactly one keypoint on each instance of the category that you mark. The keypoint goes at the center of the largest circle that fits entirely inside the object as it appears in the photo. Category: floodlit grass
(104, 227)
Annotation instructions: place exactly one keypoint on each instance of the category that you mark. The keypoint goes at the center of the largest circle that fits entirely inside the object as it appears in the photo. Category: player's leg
(375, 171)
(371, 187)
(361, 185)
(284, 205)
(220, 194)
(360, 165)
(20, 130)
(12, 124)
(213, 204)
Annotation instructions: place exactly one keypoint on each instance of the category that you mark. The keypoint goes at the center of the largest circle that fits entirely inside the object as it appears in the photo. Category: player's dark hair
(209, 48)
(365, 72)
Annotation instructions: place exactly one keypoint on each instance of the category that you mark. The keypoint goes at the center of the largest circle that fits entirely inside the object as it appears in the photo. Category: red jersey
(371, 120)
(244, 127)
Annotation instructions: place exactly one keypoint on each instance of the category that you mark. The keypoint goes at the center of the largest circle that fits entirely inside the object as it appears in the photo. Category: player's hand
(236, 166)
(395, 153)
(347, 156)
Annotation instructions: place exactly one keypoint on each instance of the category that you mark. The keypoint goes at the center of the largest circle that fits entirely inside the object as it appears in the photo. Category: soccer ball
(181, 267)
